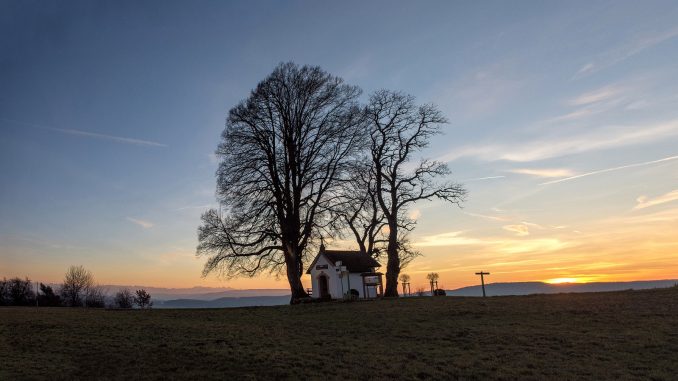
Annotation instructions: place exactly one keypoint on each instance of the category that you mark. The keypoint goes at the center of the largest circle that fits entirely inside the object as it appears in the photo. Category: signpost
(482, 280)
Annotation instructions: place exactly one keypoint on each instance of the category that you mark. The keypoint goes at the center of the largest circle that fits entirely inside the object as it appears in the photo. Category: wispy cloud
(206, 206)
(660, 216)
(631, 94)
(359, 68)
(506, 246)
(448, 239)
(488, 217)
(144, 224)
(608, 137)
(519, 230)
(645, 202)
(603, 94)
(611, 169)
(624, 51)
(482, 178)
(118, 139)
(480, 92)
(544, 172)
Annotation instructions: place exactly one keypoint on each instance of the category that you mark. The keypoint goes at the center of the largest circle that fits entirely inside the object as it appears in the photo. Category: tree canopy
(301, 160)
(282, 153)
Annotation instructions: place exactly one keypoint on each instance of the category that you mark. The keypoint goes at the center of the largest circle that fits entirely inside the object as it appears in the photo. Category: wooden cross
(482, 280)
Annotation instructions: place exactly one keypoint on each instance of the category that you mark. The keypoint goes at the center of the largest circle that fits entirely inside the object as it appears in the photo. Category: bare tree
(399, 129)
(95, 297)
(143, 299)
(404, 280)
(47, 297)
(282, 153)
(76, 284)
(123, 299)
(433, 280)
(359, 212)
(17, 292)
(5, 299)
(406, 253)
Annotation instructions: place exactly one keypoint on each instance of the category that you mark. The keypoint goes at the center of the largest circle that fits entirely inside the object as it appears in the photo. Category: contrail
(611, 169)
(484, 178)
(110, 137)
(118, 139)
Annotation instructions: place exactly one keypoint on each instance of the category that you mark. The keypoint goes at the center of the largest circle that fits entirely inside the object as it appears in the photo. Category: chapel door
(324, 287)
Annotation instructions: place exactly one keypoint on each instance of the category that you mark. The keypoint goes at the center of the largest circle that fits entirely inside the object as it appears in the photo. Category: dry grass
(621, 335)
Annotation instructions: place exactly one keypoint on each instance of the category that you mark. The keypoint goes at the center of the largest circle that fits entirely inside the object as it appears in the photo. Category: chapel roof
(354, 260)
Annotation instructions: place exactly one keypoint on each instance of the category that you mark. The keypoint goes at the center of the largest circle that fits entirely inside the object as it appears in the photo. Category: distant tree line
(77, 290)
(302, 160)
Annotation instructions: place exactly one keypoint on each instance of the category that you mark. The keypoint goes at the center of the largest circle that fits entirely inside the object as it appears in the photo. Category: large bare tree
(399, 130)
(282, 152)
(358, 211)
(78, 284)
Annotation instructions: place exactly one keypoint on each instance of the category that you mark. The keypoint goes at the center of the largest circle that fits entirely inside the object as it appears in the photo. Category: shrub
(20, 292)
(4, 292)
(123, 299)
(143, 299)
(47, 297)
(95, 297)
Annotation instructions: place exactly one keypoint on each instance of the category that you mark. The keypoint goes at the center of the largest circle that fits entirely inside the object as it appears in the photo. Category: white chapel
(337, 274)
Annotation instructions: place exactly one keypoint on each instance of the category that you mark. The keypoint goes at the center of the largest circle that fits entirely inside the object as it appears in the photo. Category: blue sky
(110, 111)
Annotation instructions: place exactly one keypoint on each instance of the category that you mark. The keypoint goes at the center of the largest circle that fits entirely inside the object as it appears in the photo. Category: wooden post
(364, 287)
(406, 289)
(381, 287)
(482, 280)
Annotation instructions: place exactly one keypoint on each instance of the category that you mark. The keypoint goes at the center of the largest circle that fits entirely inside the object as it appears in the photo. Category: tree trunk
(393, 264)
(293, 264)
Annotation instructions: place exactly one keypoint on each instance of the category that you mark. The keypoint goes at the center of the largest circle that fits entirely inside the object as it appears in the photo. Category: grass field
(620, 335)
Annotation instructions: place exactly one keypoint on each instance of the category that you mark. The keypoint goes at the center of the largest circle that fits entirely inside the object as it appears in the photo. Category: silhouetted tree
(47, 297)
(358, 210)
(95, 297)
(4, 292)
(123, 299)
(76, 284)
(143, 299)
(282, 152)
(359, 213)
(406, 253)
(433, 280)
(399, 129)
(404, 280)
(19, 292)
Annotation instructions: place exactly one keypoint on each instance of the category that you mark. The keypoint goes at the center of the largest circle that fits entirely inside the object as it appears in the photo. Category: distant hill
(225, 302)
(205, 297)
(199, 293)
(526, 288)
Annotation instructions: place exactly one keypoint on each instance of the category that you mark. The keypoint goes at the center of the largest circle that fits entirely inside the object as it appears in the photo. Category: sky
(563, 126)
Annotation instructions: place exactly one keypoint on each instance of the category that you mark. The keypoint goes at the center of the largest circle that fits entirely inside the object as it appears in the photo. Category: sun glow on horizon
(564, 280)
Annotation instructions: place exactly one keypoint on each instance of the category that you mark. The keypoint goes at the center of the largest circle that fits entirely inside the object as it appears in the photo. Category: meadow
(614, 335)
